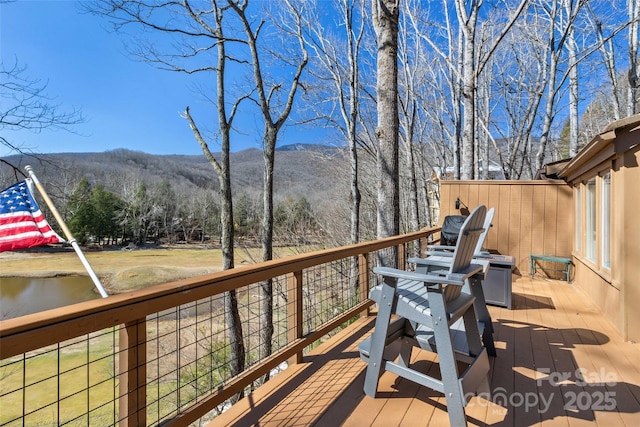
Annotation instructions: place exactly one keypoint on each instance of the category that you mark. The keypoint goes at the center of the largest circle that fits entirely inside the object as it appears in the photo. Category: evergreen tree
(82, 212)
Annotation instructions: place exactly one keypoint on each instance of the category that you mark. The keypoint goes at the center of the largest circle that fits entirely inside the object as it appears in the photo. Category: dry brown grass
(119, 270)
(122, 270)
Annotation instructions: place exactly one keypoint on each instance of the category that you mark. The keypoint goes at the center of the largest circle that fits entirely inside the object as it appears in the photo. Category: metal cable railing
(163, 354)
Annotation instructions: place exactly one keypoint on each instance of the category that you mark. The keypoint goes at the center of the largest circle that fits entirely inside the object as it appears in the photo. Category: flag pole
(67, 232)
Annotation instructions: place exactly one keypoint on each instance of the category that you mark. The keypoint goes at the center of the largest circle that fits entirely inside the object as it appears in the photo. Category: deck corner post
(133, 374)
(294, 312)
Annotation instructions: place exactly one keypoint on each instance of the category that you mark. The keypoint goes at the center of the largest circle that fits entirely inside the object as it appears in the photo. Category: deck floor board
(559, 363)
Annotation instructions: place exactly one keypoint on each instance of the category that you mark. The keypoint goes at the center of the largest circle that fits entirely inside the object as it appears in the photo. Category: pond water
(23, 295)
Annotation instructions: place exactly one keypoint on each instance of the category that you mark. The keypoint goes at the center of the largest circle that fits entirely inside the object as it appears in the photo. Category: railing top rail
(64, 323)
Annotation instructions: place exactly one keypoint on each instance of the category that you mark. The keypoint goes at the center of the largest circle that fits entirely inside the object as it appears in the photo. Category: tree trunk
(457, 144)
(634, 61)
(266, 301)
(467, 22)
(353, 45)
(608, 56)
(269, 139)
(385, 22)
(414, 211)
(573, 89)
(232, 316)
(223, 171)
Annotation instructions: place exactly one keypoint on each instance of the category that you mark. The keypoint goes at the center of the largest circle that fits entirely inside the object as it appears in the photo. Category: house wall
(615, 289)
(531, 216)
(538, 217)
(607, 296)
(630, 247)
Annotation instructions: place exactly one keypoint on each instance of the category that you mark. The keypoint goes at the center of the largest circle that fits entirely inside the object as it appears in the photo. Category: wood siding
(628, 242)
(531, 216)
(613, 288)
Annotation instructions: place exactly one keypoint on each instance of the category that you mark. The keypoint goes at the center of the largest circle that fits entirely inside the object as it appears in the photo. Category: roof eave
(597, 144)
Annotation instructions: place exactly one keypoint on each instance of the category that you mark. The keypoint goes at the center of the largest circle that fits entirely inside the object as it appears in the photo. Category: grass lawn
(121, 270)
(63, 384)
(74, 386)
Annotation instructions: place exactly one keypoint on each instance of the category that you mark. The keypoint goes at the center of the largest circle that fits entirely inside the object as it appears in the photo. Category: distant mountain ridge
(301, 170)
(322, 148)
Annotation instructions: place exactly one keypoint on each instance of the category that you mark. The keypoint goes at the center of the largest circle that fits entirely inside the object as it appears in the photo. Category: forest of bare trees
(507, 85)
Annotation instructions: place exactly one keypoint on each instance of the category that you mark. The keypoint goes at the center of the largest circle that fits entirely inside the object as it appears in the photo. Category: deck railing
(160, 356)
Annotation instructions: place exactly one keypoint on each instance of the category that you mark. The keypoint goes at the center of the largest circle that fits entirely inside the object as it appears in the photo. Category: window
(605, 217)
(590, 220)
(578, 213)
(593, 211)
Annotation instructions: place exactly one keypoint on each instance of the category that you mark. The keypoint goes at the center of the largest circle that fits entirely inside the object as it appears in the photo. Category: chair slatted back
(468, 238)
(487, 225)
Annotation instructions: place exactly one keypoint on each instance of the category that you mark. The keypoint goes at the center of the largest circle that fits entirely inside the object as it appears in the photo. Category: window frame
(590, 231)
(578, 219)
(605, 221)
(593, 210)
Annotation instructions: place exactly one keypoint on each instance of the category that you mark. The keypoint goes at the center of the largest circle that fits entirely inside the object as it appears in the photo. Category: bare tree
(274, 111)
(615, 98)
(410, 77)
(223, 171)
(26, 106)
(195, 30)
(574, 98)
(343, 72)
(607, 50)
(473, 63)
(439, 92)
(633, 92)
(464, 54)
(385, 14)
(581, 28)
(561, 16)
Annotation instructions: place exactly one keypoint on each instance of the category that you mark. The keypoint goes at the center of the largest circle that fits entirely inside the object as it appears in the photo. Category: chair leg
(471, 331)
(448, 365)
(379, 336)
(484, 388)
(406, 347)
(475, 348)
(480, 305)
(404, 358)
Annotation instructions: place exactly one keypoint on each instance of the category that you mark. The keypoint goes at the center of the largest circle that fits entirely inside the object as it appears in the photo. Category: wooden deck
(559, 362)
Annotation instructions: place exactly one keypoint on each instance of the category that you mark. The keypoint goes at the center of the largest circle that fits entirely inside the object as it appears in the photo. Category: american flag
(22, 224)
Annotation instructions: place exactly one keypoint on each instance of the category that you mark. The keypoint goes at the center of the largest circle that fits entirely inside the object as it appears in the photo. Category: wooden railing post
(133, 374)
(294, 312)
(402, 256)
(363, 280)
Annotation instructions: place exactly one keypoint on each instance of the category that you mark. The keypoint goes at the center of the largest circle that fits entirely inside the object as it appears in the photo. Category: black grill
(450, 229)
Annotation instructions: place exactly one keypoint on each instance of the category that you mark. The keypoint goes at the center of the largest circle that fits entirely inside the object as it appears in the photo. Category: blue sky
(127, 104)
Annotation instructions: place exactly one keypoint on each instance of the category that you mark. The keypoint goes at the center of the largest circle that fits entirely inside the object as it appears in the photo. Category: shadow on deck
(558, 361)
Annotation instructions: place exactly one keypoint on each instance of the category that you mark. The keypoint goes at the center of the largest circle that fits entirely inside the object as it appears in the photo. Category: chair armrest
(430, 262)
(445, 262)
(457, 279)
(482, 262)
(439, 253)
(437, 248)
(483, 254)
